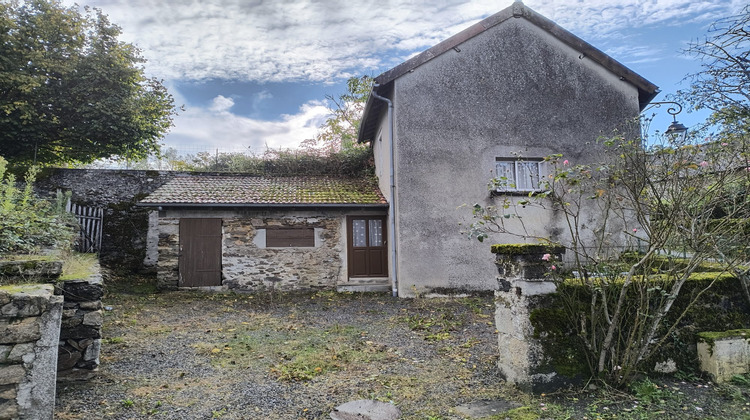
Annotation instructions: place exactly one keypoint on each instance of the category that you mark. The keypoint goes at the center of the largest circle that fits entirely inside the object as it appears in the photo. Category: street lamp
(676, 131)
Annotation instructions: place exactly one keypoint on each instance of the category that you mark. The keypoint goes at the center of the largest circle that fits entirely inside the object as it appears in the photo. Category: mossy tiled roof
(240, 190)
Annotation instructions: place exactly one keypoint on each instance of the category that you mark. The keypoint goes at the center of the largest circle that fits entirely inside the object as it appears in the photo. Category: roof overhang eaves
(264, 205)
(372, 113)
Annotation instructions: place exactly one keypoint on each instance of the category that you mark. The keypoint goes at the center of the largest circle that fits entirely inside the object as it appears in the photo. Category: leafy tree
(723, 84)
(340, 130)
(70, 91)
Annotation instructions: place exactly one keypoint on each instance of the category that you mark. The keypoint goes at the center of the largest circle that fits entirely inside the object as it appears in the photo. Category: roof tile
(255, 190)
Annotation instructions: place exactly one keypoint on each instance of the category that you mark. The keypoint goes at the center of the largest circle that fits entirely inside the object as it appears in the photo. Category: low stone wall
(37, 269)
(29, 330)
(125, 242)
(80, 332)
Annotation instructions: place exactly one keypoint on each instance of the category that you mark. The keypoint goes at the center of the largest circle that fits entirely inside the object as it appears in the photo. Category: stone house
(263, 233)
(492, 100)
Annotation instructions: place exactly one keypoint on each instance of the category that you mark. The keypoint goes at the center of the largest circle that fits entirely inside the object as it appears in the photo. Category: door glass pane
(359, 232)
(376, 233)
(528, 176)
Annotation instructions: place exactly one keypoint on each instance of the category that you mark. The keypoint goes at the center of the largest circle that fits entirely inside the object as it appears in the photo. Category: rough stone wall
(250, 266)
(80, 332)
(29, 330)
(124, 239)
(167, 265)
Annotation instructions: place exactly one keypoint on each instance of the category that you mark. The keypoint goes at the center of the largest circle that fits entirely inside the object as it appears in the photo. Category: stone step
(378, 284)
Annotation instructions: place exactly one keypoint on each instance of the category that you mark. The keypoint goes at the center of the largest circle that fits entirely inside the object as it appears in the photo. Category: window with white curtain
(519, 175)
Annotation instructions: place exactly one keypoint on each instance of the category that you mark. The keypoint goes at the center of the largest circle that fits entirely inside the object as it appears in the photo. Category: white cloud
(221, 104)
(319, 41)
(215, 127)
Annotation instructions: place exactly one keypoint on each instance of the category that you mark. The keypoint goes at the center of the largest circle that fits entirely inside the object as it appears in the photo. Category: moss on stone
(560, 344)
(12, 289)
(526, 249)
(712, 336)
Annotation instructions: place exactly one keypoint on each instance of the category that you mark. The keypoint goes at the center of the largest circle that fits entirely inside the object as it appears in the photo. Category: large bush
(27, 223)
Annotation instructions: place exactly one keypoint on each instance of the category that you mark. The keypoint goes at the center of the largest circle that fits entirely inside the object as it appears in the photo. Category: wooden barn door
(368, 254)
(200, 252)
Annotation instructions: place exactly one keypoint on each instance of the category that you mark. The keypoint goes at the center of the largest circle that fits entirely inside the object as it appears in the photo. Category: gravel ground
(181, 355)
(190, 355)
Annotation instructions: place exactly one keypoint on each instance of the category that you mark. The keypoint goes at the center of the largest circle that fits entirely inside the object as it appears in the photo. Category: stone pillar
(29, 331)
(167, 265)
(523, 284)
(80, 333)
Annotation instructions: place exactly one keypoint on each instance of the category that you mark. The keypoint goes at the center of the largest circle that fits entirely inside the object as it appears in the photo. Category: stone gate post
(523, 282)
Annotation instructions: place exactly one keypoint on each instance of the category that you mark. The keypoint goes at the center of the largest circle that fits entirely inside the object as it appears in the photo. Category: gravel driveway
(190, 355)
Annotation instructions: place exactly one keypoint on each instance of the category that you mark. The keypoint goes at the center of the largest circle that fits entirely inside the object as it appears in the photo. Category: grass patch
(291, 353)
(78, 266)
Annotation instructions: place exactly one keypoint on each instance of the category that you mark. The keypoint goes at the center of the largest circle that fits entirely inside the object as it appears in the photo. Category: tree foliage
(723, 84)
(70, 91)
(349, 162)
(340, 130)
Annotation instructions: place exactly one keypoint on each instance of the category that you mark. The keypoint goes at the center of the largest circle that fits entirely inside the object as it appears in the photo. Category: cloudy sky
(254, 73)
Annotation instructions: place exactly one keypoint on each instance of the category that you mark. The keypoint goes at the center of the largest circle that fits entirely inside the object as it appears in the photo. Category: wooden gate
(200, 252)
(90, 220)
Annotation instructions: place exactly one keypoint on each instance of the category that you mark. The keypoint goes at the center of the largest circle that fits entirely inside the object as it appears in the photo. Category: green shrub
(28, 223)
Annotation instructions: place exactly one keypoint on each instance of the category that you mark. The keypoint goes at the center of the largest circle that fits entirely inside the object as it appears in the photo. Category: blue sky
(254, 73)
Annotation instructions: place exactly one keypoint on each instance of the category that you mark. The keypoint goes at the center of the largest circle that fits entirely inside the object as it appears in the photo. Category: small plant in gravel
(648, 392)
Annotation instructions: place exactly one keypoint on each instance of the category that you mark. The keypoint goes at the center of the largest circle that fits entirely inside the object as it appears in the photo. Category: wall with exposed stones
(249, 265)
(80, 331)
(125, 241)
(81, 322)
(29, 330)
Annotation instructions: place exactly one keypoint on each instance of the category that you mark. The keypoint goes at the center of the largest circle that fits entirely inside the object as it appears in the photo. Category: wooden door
(200, 252)
(367, 250)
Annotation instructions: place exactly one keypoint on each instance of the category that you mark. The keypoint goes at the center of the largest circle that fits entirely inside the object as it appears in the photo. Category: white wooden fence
(90, 219)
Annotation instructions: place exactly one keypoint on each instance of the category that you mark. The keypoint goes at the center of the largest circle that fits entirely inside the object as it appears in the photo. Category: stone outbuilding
(250, 233)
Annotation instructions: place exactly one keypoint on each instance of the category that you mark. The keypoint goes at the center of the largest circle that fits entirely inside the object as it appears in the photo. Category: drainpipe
(391, 206)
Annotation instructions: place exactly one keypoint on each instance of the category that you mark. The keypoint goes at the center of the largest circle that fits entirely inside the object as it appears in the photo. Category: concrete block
(726, 355)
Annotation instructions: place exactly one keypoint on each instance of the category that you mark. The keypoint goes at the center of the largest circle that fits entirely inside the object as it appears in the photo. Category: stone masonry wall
(124, 238)
(167, 266)
(248, 265)
(29, 330)
(80, 333)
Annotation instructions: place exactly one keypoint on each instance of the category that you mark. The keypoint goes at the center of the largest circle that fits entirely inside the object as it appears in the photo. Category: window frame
(511, 185)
